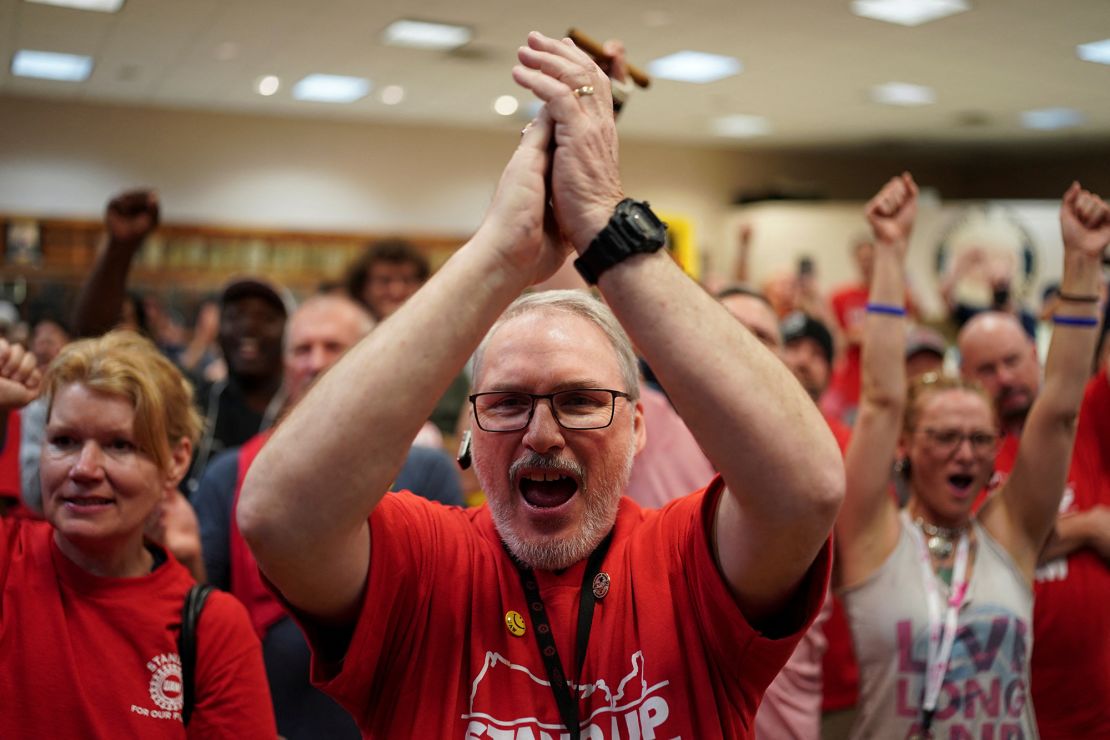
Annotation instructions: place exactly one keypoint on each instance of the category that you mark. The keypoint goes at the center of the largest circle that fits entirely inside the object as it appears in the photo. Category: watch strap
(617, 241)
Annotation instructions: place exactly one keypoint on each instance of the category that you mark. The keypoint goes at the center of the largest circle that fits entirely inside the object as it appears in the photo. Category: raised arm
(867, 528)
(129, 219)
(310, 534)
(743, 406)
(1025, 511)
(19, 382)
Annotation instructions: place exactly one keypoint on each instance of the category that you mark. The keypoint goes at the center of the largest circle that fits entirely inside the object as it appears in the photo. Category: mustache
(535, 461)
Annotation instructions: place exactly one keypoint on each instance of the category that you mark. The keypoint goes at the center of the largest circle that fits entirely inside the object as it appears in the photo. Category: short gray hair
(574, 303)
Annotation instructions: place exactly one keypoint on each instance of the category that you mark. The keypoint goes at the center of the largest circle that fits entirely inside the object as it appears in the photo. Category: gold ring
(584, 90)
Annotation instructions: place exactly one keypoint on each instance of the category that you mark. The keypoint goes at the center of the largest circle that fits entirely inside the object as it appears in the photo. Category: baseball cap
(924, 339)
(799, 325)
(253, 285)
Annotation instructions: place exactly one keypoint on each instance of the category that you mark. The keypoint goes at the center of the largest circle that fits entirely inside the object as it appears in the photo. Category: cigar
(594, 49)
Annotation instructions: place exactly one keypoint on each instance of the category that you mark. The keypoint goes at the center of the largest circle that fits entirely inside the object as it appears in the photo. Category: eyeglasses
(580, 408)
(948, 440)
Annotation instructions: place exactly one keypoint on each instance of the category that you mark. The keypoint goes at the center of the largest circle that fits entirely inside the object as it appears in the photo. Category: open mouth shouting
(546, 484)
(959, 484)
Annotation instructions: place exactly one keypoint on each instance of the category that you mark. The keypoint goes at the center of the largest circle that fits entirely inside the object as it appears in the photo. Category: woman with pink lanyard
(940, 600)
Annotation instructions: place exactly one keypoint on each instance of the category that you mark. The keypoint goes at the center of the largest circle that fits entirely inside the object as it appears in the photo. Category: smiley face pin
(514, 623)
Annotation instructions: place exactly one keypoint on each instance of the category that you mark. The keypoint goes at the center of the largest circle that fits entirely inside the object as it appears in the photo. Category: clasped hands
(563, 182)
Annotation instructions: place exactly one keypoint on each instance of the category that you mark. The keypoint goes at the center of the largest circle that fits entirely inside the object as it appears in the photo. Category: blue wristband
(885, 309)
(1081, 321)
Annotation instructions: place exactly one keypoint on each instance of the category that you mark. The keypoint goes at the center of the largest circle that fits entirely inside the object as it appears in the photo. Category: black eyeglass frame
(614, 395)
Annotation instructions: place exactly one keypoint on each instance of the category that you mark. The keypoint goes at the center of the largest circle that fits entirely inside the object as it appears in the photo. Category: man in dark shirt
(252, 320)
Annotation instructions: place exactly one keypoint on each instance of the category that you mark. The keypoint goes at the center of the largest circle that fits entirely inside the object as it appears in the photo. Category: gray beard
(601, 497)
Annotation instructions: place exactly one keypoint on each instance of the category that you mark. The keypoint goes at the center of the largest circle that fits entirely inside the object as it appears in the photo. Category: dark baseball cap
(253, 285)
(799, 325)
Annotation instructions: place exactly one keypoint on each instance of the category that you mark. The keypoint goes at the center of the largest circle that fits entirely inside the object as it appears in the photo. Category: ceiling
(808, 64)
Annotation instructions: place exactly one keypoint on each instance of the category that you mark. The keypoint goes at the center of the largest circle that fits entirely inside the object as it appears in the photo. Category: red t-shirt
(669, 655)
(849, 304)
(9, 458)
(1071, 607)
(92, 657)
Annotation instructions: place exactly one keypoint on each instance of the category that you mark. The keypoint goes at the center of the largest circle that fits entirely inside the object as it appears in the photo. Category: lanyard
(545, 638)
(942, 633)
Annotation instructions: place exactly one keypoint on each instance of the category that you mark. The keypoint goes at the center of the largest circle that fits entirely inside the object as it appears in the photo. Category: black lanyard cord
(545, 638)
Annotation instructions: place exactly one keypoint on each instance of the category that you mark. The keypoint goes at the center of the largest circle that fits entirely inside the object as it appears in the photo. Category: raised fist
(1084, 221)
(19, 376)
(892, 211)
(131, 216)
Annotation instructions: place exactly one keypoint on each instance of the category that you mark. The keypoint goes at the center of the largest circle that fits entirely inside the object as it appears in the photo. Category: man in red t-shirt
(1071, 608)
(559, 608)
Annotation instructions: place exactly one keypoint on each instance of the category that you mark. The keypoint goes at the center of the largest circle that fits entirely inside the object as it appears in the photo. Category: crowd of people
(675, 512)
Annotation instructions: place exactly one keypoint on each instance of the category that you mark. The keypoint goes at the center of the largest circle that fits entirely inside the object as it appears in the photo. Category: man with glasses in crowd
(560, 608)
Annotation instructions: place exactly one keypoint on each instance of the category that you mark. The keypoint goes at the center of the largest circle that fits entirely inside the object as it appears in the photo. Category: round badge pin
(601, 585)
(514, 622)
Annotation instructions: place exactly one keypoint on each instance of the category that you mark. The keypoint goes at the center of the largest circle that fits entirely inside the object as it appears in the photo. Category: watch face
(646, 224)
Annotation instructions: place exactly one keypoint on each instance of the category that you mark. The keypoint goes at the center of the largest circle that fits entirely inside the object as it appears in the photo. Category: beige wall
(65, 158)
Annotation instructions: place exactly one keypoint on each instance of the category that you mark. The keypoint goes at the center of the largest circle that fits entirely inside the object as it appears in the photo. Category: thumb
(537, 134)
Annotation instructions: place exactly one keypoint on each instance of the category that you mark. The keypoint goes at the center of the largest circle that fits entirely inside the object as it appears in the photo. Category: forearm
(871, 452)
(101, 296)
(1032, 493)
(743, 264)
(1069, 356)
(193, 354)
(883, 378)
(743, 406)
(357, 422)
(1070, 534)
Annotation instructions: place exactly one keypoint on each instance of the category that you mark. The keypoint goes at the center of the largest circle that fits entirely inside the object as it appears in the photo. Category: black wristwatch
(633, 229)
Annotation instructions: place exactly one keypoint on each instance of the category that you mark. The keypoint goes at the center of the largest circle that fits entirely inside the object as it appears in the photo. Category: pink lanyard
(942, 634)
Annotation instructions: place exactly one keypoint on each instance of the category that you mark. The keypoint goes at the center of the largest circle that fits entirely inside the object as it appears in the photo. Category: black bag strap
(187, 645)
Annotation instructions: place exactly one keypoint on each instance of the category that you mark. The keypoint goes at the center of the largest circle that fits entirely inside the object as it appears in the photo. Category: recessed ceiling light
(425, 35)
(903, 93)
(331, 88)
(1096, 51)
(908, 12)
(48, 65)
(506, 105)
(694, 66)
(103, 6)
(741, 126)
(392, 94)
(267, 85)
(1051, 119)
